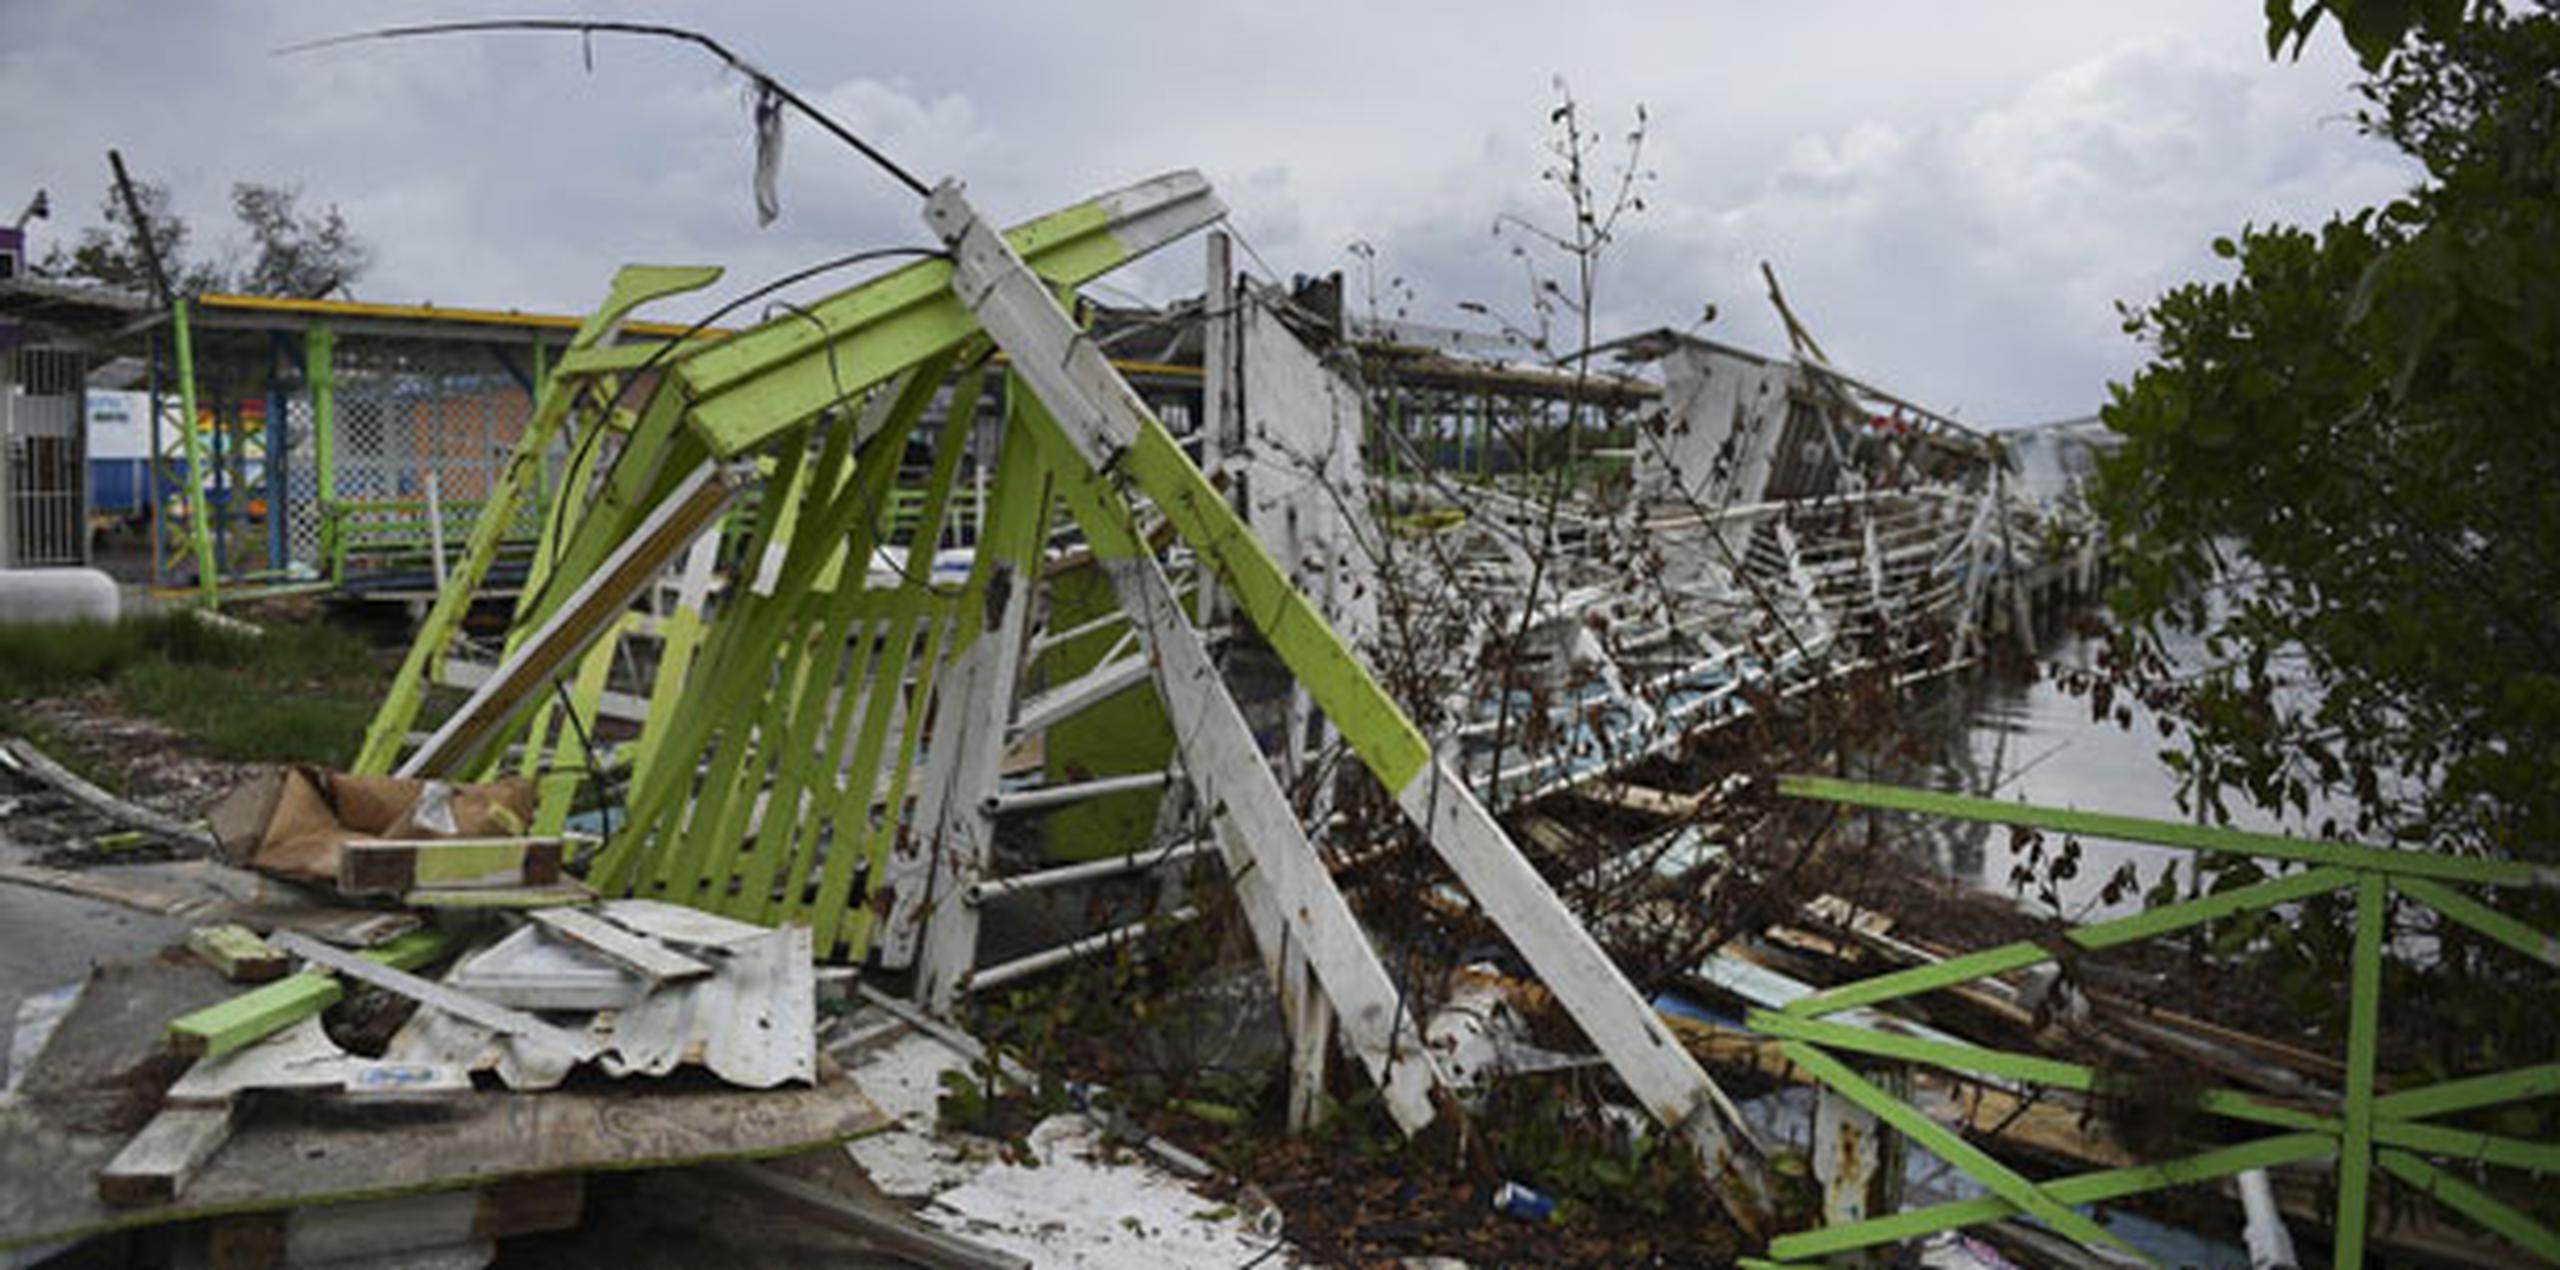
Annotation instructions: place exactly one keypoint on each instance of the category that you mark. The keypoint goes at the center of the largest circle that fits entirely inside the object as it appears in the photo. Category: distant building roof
(71, 311)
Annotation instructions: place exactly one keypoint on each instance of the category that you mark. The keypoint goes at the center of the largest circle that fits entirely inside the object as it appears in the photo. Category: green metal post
(320, 370)
(2355, 1151)
(199, 518)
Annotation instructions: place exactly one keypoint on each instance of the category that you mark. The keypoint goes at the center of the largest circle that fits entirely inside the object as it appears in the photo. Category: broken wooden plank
(219, 1029)
(108, 890)
(297, 1057)
(2269, 1065)
(24, 758)
(388, 866)
(345, 927)
(302, 1057)
(155, 1167)
(566, 891)
(680, 927)
(1644, 799)
(428, 992)
(885, 1225)
(591, 611)
(653, 960)
(238, 953)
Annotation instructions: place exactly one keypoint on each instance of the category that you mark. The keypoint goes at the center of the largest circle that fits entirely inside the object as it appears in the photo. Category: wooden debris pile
(2086, 1060)
(349, 1104)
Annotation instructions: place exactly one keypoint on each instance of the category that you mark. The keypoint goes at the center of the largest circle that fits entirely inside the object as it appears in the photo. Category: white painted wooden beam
(1275, 867)
(691, 509)
(1103, 419)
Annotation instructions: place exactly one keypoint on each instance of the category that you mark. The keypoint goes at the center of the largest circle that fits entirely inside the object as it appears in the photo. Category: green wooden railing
(2394, 1132)
(397, 530)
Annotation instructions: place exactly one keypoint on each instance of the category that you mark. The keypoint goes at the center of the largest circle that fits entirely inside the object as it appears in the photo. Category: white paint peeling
(1084, 1203)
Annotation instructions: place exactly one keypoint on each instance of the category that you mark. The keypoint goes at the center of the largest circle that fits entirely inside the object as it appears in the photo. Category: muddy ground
(137, 758)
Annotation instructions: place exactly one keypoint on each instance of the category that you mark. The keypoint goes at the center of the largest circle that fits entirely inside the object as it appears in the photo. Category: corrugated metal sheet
(752, 1022)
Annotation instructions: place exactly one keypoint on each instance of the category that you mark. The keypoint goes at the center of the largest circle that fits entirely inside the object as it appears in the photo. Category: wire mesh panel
(418, 422)
(303, 514)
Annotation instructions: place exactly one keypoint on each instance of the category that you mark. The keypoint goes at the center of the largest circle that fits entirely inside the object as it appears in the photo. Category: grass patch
(301, 692)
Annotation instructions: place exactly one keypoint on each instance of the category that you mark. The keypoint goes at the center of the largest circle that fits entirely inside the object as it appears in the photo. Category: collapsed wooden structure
(846, 704)
(842, 736)
(1758, 523)
(825, 741)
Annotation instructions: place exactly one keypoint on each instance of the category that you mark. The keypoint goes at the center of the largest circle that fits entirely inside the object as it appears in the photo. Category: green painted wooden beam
(2123, 930)
(633, 286)
(2474, 1203)
(747, 388)
(225, 1026)
(2364, 1026)
(1951, 1055)
(730, 707)
(2085, 1188)
(2484, 919)
(1947, 1145)
(237, 952)
(2034, 1069)
(320, 379)
(1317, 654)
(642, 853)
(2469, 1144)
(553, 895)
(813, 694)
(856, 844)
(2170, 833)
(2445, 1098)
(199, 516)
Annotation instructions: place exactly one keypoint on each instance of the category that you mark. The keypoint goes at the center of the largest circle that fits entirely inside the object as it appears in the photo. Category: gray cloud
(1955, 194)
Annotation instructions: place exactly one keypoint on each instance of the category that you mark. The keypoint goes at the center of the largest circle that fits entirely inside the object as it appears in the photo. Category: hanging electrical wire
(767, 95)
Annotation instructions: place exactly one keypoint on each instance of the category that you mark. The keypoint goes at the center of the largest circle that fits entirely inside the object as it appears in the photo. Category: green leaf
(2280, 26)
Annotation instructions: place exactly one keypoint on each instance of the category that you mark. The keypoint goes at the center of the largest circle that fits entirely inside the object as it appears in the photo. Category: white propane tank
(42, 596)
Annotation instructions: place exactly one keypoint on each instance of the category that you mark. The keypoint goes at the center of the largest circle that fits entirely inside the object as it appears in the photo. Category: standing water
(2016, 737)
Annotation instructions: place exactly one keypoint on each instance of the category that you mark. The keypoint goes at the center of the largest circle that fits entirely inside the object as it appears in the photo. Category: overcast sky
(1955, 194)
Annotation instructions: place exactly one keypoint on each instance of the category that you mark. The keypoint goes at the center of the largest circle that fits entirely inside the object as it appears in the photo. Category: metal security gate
(43, 463)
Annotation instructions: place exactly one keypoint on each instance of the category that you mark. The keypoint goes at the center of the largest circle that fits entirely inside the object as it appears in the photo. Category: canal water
(2013, 736)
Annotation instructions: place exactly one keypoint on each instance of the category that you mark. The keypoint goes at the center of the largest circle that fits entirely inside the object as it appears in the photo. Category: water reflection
(2006, 735)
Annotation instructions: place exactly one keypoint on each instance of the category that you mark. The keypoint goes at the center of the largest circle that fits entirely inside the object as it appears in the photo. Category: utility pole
(141, 230)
